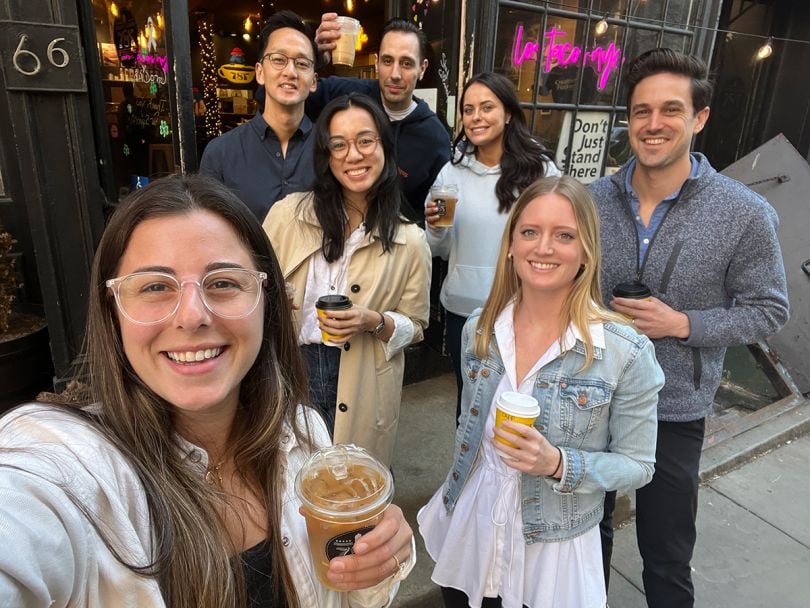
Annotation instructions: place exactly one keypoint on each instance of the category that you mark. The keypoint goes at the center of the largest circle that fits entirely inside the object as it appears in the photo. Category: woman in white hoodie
(495, 158)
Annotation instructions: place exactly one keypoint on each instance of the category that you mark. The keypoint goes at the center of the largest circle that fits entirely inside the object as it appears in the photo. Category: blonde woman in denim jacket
(522, 529)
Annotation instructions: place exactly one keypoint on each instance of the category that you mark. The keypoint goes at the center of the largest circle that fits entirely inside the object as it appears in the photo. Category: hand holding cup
(529, 453)
(328, 33)
(342, 325)
(442, 206)
(372, 560)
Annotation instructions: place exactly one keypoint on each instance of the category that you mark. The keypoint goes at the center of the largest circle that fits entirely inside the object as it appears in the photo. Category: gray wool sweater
(716, 258)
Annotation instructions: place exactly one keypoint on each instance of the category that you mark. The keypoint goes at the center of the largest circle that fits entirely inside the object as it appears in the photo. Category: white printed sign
(587, 147)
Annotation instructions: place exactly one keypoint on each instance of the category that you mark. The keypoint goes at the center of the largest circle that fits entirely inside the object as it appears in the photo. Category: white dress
(479, 548)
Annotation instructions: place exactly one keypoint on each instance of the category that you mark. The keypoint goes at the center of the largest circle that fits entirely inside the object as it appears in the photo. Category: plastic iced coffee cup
(634, 290)
(446, 199)
(516, 407)
(344, 491)
(344, 51)
(326, 304)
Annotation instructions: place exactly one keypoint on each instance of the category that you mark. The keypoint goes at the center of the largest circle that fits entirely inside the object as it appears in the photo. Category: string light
(248, 25)
(765, 51)
(211, 121)
(601, 26)
(114, 9)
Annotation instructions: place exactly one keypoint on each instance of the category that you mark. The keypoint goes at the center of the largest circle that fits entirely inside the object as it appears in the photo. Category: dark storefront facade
(147, 83)
(99, 97)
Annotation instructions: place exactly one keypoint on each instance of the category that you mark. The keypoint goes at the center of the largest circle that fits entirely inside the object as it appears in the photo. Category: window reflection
(677, 42)
(134, 73)
(619, 151)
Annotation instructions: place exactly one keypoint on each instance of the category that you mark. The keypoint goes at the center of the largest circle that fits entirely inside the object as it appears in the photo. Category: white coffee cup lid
(518, 404)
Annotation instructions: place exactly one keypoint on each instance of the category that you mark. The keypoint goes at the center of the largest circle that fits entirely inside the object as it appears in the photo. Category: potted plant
(25, 361)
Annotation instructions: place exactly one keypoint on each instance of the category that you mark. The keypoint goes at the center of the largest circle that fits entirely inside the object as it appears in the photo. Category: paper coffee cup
(516, 407)
(634, 290)
(446, 199)
(344, 491)
(346, 44)
(326, 304)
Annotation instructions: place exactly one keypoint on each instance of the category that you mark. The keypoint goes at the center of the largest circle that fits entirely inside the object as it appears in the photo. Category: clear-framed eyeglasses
(147, 298)
(279, 61)
(365, 144)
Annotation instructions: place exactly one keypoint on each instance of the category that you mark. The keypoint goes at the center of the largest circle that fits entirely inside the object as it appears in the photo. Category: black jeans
(323, 365)
(666, 510)
(453, 598)
(454, 324)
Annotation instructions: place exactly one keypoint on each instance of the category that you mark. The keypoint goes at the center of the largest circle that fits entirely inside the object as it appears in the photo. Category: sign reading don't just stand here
(583, 160)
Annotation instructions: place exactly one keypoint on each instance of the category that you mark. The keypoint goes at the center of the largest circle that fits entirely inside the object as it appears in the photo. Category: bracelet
(380, 327)
(559, 465)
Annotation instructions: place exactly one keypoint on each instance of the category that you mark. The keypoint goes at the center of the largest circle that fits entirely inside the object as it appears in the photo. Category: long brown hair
(584, 303)
(192, 554)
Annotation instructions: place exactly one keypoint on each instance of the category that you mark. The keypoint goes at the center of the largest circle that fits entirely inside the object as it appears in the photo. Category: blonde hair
(584, 303)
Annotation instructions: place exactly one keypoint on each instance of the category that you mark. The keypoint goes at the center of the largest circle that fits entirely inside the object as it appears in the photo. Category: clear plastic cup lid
(343, 479)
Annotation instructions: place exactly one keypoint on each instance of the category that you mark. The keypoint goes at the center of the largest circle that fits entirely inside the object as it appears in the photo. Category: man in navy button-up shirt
(271, 156)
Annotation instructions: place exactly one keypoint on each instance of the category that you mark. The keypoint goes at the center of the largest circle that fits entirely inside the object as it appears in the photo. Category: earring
(509, 256)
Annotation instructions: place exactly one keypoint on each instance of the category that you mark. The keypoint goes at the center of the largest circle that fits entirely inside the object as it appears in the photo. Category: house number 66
(58, 57)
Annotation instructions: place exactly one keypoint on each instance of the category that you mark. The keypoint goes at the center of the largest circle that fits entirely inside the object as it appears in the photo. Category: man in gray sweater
(706, 247)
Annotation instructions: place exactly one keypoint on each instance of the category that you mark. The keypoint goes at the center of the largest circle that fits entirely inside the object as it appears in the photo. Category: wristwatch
(380, 326)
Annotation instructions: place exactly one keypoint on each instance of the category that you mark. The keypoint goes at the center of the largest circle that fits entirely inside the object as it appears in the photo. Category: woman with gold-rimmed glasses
(348, 237)
(170, 483)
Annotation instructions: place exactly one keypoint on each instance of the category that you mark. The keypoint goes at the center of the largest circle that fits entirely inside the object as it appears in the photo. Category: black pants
(453, 598)
(666, 510)
(454, 324)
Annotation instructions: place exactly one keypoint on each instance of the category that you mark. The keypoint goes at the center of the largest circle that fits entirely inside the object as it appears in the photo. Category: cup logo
(343, 544)
(441, 207)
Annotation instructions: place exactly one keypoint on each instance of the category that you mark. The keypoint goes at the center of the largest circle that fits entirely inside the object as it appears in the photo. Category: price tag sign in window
(41, 57)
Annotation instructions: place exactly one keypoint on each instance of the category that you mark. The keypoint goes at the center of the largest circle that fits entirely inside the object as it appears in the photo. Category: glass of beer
(446, 199)
(344, 491)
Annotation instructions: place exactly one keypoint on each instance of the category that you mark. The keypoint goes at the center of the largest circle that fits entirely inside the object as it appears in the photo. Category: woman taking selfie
(172, 485)
(495, 159)
(517, 525)
(347, 237)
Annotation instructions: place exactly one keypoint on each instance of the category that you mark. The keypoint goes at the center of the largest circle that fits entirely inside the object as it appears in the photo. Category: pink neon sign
(604, 60)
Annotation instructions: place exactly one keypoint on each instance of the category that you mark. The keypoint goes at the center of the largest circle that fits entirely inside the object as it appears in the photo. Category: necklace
(213, 476)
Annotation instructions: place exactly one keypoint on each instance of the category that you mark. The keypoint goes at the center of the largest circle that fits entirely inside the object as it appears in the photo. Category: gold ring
(398, 565)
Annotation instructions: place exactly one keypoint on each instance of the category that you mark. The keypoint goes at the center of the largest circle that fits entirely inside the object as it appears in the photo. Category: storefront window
(134, 74)
(618, 145)
(567, 70)
(547, 126)
(682, 12)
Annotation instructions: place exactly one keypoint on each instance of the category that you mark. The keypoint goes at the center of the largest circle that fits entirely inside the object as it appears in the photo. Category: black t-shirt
(258, 569)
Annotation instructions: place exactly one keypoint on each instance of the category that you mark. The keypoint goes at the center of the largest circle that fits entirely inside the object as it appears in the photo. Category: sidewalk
(753, 547)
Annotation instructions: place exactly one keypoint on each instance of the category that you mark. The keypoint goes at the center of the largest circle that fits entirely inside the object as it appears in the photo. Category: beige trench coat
(369, 388)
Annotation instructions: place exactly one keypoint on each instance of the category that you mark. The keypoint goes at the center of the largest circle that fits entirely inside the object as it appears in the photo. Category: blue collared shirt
(646, 233)
(249, 161)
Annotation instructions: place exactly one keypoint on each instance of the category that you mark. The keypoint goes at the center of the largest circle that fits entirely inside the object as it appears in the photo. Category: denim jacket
(602, 418)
